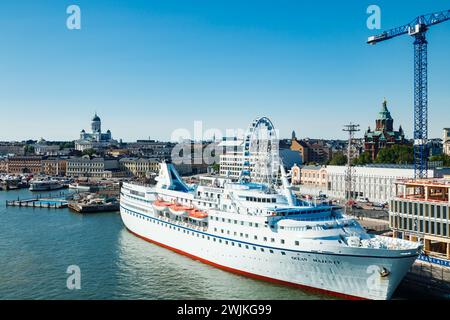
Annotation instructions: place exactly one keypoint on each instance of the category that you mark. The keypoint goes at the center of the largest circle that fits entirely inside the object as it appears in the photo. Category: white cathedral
(96, 139)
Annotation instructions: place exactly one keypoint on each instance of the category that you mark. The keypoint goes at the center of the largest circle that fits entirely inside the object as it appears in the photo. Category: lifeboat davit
(160, 205)
(178, 210)
(197, 214)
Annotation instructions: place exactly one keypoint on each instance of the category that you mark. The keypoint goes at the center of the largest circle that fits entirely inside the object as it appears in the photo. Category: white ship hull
(345, 275)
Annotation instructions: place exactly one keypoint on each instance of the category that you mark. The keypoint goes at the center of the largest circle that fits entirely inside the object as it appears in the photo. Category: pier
(38, 202)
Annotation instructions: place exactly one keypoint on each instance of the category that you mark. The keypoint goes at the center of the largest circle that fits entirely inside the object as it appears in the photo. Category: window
(297, 243)
(282, 241)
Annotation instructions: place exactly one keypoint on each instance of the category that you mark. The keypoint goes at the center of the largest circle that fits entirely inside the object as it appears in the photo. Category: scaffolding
(351, 129)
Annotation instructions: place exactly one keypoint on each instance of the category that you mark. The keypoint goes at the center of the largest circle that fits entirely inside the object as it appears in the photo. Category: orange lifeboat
(160, 205)
(178, 210)
(197, 214)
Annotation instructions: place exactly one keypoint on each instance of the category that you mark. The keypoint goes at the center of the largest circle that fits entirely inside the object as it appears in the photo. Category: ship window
(265, 238)
(229, 220)
(208, 237)
(232, 243)
(239, 245)
(297, 243)
(256, 225)
(246, 247)
(214, 239)
(272, 240)
(221, 230)
(256, 237)
(283, 253)
(271, 251)
(242, 234)
(254, 248)
(235, 221)
(220, 240)
(246, 235)
(226, 242)
(250, 224)
(282, 241)
(223, 220)
(242, 223)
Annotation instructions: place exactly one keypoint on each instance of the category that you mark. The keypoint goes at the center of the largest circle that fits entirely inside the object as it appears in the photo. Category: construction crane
(417, 29)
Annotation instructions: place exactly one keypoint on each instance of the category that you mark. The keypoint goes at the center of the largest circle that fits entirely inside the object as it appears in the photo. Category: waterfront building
(92, 167)
(446, 141)
(420, 210)
(25, 164)
(96, 139)
(375, 182)
(43, 148)
(151, 149)
(3, 165)
(313, 176)
(311, 151)
(12, 148)
(139, 167)
(384, 135)
(54, 166)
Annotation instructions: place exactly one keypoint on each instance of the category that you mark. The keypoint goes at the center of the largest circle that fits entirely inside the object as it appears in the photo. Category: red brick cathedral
(384, 135)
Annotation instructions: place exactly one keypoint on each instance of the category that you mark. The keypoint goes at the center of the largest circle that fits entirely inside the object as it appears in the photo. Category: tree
(67, 145)
(29, 149)
(338, 159)
(363, 159)
(88, 152)
(442, 157)
(397, 154)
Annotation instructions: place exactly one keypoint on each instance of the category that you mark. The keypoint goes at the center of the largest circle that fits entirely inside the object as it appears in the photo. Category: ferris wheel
(261, 153)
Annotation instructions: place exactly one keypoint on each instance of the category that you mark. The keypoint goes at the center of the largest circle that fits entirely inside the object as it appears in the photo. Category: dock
(38, 203)
(93, 208)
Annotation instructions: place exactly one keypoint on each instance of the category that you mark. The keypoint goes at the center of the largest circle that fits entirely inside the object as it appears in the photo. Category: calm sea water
(37, 245)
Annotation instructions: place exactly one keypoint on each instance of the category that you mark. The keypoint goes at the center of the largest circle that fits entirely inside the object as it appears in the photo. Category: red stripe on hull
(251, 275)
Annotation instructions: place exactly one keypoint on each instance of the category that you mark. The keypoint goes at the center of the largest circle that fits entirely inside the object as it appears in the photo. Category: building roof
(384, 114)
(96, 118)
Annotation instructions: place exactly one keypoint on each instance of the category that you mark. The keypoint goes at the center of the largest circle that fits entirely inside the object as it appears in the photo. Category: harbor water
(37, 245)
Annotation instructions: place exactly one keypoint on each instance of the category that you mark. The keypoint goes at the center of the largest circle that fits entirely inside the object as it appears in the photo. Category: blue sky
(149, 67)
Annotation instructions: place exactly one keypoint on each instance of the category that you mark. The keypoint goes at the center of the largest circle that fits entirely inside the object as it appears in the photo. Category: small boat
(45, 185)
(179, 210)
(160, 205)
(198, 214)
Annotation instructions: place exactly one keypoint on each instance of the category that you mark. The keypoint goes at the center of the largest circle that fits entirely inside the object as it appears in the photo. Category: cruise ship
(266, 232)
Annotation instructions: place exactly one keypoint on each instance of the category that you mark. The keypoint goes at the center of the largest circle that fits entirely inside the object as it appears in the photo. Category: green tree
(69, 145)
(29, 149)
(397, 154)
(88, 152)
(338, 159)
(363, 159)
(442, 157)
(215, 167)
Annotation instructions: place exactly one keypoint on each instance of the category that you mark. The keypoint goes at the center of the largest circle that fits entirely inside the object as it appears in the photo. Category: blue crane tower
(417, 29)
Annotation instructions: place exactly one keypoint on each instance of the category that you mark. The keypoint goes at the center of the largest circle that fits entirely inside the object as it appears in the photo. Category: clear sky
(149, 67)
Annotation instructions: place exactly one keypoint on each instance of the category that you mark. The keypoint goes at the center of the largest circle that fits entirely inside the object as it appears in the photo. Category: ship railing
(184, 224)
